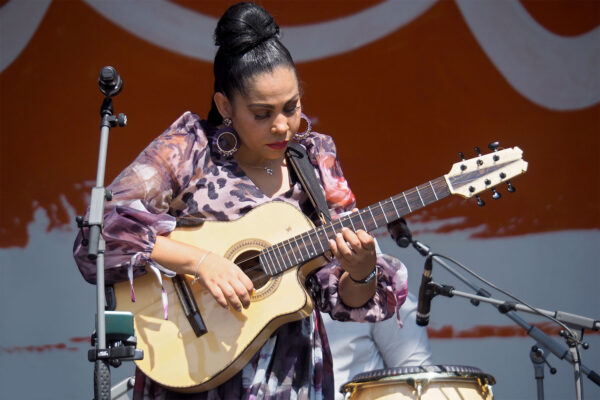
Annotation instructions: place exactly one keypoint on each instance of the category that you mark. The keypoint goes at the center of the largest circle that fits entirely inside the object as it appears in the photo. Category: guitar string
(390, 200)
(438, 182)
(340, 222)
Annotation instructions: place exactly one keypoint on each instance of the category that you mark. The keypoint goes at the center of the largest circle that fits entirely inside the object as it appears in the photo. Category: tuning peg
(494, 146)
(496, 194)
(478, 151)
(480, 202)
(462, 157)
(511, 188)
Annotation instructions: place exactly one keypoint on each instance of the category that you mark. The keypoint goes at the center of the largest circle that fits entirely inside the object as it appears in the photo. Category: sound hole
(248, 261)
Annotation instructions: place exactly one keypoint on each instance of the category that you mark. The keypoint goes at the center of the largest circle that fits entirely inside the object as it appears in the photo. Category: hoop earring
(226, 140)
(303, 135)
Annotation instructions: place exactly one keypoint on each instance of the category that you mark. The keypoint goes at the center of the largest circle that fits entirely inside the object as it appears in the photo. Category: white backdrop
(46, 306)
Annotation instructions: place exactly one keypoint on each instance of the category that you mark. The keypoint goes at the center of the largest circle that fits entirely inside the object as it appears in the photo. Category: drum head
(436, 370)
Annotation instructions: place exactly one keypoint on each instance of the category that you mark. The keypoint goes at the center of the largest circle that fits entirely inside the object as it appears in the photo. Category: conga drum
(428, 382)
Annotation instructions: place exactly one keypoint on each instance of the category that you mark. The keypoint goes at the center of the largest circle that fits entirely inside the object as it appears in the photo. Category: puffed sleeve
(392, 284)
(139, 209)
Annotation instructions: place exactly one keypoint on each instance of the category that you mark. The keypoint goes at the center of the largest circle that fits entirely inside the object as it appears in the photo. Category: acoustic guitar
(202, 345)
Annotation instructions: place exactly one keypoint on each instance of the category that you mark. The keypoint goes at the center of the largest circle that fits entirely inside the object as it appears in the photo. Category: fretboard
(314, 243)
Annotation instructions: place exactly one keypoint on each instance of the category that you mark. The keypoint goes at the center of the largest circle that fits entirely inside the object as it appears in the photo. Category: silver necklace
(266, 168)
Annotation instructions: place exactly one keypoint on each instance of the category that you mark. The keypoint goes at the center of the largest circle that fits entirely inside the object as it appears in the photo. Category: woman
(220, 169)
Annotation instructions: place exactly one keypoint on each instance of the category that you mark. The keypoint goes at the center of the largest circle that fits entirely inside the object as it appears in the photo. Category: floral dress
(179, 180)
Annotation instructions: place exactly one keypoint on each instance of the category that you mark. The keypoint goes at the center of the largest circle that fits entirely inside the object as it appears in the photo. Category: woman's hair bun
(243, 27)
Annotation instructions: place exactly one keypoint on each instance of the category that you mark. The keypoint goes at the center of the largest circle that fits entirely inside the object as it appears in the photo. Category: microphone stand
(401, 234)
(560, 350)
(110, 85)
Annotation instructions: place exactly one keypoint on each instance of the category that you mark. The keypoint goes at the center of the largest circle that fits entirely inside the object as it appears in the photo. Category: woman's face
(268, 116)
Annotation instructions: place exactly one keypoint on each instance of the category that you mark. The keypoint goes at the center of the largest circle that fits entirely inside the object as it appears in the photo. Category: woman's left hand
(355, 251)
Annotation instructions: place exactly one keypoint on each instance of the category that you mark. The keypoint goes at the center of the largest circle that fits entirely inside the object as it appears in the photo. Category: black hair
(248, 40)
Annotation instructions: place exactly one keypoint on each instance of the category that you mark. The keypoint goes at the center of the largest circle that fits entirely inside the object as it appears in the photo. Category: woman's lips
(278, 145)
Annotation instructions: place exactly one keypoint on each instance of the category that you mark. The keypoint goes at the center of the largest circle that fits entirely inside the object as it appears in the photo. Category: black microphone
(110, 82)
(400, 232)
(425, 293)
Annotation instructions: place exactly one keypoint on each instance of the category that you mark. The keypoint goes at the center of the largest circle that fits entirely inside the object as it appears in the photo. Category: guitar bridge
(188, 303)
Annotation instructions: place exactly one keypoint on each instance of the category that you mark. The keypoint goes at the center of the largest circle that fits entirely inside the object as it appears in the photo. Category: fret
(280, 258)
(299, 247)
(263, 260)
(362, 221)
(287, 253)
(421, 198)
(272, 268)
(395, 209)
(428, 195)
(332, 230)
(317, 232)
(352, 223)
(372, 219)
(433, 189)
(333, 227)
(384, 213)
(305, 248)
(406, 200)
(342, 222)
(325, 241)
(293, 252)
(313, 246)
(413, 197)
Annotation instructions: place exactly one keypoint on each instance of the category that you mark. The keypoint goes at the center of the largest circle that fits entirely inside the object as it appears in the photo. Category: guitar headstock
(468, 178)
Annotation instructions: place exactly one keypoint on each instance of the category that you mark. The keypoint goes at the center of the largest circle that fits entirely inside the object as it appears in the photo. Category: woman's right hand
(227, 283)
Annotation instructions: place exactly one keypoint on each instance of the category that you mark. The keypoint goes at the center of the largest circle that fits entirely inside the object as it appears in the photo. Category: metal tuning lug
(480, 202)
(496, 195)
(511, 188)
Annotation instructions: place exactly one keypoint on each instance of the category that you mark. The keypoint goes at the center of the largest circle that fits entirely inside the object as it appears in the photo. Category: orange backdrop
(400, 109)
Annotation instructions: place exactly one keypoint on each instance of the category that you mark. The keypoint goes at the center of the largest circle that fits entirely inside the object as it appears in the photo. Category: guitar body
(173, 355)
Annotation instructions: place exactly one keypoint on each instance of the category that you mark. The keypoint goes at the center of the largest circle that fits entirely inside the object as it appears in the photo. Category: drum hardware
(421, 383)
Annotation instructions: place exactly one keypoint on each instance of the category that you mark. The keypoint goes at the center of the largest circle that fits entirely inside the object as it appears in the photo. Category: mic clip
(432, 289)
(421, 248)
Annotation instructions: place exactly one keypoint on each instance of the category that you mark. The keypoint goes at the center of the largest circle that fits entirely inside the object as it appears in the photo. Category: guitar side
(173, 355)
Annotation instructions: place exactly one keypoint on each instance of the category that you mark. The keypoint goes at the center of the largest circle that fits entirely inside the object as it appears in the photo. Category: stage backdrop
(403, 86)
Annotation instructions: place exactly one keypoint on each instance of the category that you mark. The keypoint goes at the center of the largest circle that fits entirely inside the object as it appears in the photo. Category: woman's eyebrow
(262, 105)
(271, 106)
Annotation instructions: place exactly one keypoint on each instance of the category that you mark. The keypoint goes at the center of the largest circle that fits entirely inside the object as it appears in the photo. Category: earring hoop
(303, 135)
(226, 140)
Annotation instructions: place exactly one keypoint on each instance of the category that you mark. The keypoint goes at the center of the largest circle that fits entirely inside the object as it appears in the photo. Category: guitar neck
(314, 243)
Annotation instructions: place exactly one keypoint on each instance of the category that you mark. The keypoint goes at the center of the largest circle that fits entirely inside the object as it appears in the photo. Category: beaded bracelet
(196, 277)
(368, 279)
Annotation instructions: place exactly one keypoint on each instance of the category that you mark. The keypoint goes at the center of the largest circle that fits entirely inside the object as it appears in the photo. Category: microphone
(400, 232)
(109, 81)
(425, 293)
